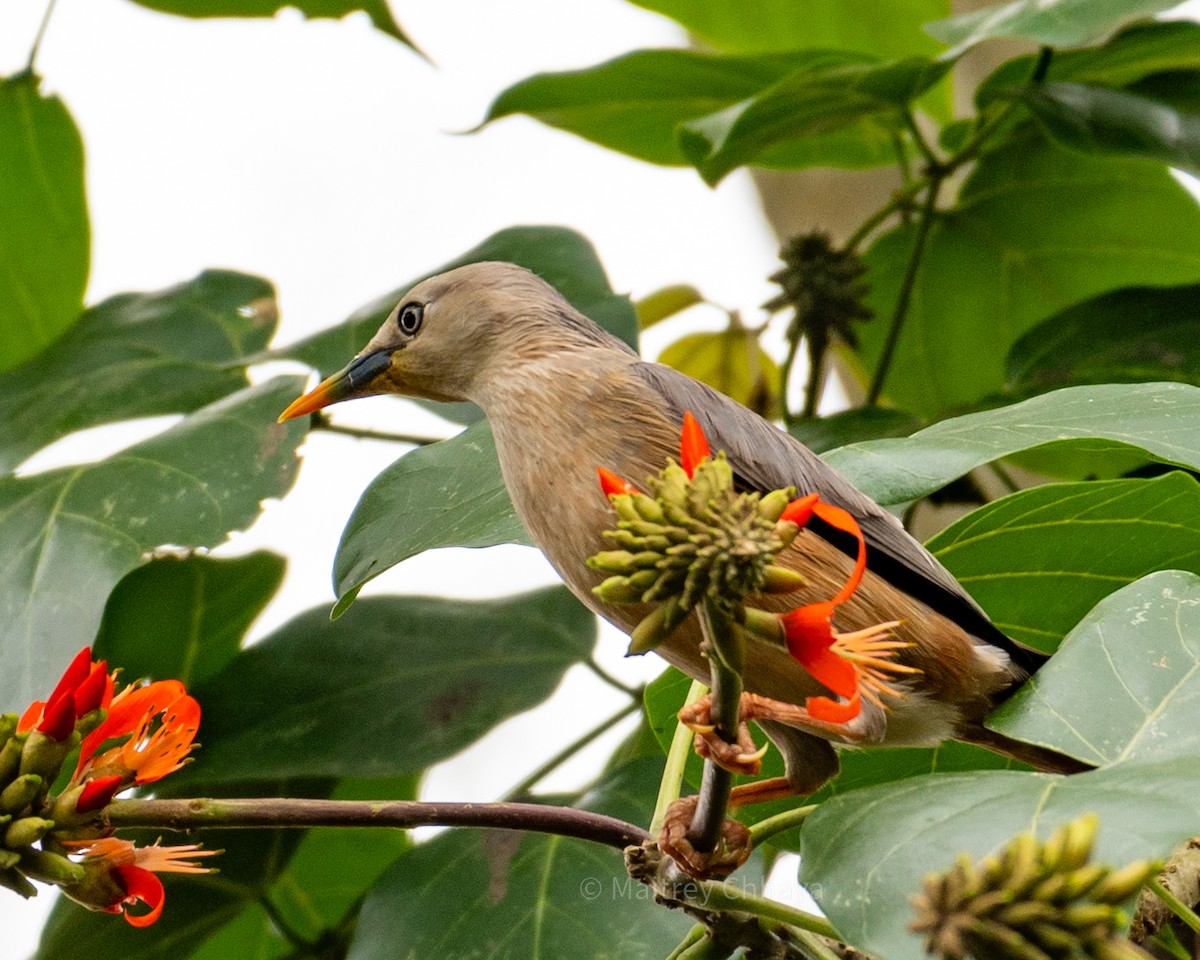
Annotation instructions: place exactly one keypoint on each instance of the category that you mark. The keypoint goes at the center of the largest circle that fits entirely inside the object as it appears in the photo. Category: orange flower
(85, 686)
(852, 665)
(121, 874)
(693, 444)
(611, 484)
(158, 723)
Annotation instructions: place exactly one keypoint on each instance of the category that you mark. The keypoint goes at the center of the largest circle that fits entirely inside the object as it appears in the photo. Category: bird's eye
(409, 318)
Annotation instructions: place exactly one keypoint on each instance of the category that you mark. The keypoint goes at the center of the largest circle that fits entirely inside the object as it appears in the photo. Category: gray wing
(766, 458)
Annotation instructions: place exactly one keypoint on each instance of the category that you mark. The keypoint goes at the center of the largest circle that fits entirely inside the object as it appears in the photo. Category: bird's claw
(742, 756)
(731, 852)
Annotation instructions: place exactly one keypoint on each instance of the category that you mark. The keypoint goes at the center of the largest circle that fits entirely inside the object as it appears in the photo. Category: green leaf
(184, 617)
(446, 494)
(67, 536)
(1135, 652)
(820, 97)
(1133, 335)
(138, 355)
(851, 426)
(1162, 419)
(759, 26)
(1039, 559)
(906, 830)
(634, 103)
(377, 10)
(666, 302)
(1135, 54)
(1100, 120)
(996, 265)
(563, 258)
(396, 684)
(44, 246)
(731, 361)
(1050, 23)
(526, 895)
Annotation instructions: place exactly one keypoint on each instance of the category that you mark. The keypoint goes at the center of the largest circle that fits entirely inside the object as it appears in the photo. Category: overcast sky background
(320, 155)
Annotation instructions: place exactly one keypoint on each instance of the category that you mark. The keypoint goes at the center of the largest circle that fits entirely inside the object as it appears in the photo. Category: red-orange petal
(809, 637)
(800, 510)
(822, 708)
(31, 716)
(693, 445)
(126, 713)
(98, 793)
(58, 719)
(90, 693)
(76, 672)
(611, 484)
(141, 885)
(842, 520)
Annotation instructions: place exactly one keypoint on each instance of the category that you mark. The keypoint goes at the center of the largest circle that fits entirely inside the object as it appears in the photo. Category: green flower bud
(653, 630)
(10, 758)
(9, 859)
(20, 793)
(26, 831)
(647, 508)
(44, 755)
(772, 505)
(613, 561)
(1122, 884)
(50, 867)
(777, 579)
(11, 880)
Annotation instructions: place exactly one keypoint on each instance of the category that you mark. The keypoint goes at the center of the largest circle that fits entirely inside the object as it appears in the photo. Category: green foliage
(44, 251)
(1040, 244)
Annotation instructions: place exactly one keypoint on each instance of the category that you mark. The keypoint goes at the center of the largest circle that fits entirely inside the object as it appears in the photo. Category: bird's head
(451, 334)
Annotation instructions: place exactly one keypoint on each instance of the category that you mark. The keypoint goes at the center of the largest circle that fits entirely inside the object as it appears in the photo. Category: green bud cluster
(30, 763)
(693, 539)
(1033, 901)
(824, 287)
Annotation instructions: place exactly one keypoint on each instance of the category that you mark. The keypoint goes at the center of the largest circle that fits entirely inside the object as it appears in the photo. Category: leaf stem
(280, 923)
(785, 376)
(765, 829)
(918, 137)
(671, 784)
(41, 32)
(599, 671)
(900, 200)
(320, 421)
(286, 812)
(1174, 904)
(566, 753)
(719, 895)
(928, 213)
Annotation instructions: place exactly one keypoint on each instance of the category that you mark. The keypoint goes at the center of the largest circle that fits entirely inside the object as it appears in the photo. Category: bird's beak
(351, 381)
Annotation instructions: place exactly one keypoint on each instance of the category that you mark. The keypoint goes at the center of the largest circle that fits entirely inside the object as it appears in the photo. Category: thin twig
(785, 376)
(599, 671)
(280, 923)
(41, 32)
(900, 200)
(321, 422)
(717, 895)
(1176, 906)
(931, 158)
(671, 784)
(280, 812)
(928, 213)
(765, 829)
(566, 753)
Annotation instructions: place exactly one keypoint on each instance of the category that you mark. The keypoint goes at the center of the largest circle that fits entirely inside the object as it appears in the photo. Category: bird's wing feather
(765, 458)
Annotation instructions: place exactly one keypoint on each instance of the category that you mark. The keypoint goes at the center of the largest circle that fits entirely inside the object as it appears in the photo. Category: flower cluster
(1032, 900)
(124, 739)
(695, 537)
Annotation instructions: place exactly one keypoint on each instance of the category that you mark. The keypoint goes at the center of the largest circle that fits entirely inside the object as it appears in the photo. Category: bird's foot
(741, 756)
(731, 851)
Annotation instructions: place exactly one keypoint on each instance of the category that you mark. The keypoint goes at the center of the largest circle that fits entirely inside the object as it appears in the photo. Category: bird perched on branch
(563, 397)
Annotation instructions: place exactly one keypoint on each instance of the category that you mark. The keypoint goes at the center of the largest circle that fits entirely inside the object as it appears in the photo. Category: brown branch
(268, 812)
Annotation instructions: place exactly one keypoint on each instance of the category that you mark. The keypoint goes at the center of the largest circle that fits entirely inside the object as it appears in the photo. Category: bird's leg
(743, 757)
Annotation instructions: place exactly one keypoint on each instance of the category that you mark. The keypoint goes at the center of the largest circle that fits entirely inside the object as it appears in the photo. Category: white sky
(318, 154)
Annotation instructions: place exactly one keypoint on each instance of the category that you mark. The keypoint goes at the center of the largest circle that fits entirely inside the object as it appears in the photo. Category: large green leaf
(813, 100)
(1051, 23)
(137, 355)
(1143, 51)
(732, 361)
(1134, 335)
(44, 245)
(447, 494)
(635, 102)
(563, 258)
(377, 10)
(1162, 419)
(866, 853)
(1138, 653)
(996, 264)
(853, 426)
(184, 617)
(504, 895)
(67, 536)
(757, 26)
(1039, 559)
(1100, 120)
(396, 684)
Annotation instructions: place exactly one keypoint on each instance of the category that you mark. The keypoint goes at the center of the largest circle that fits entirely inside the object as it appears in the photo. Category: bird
(563, 397)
